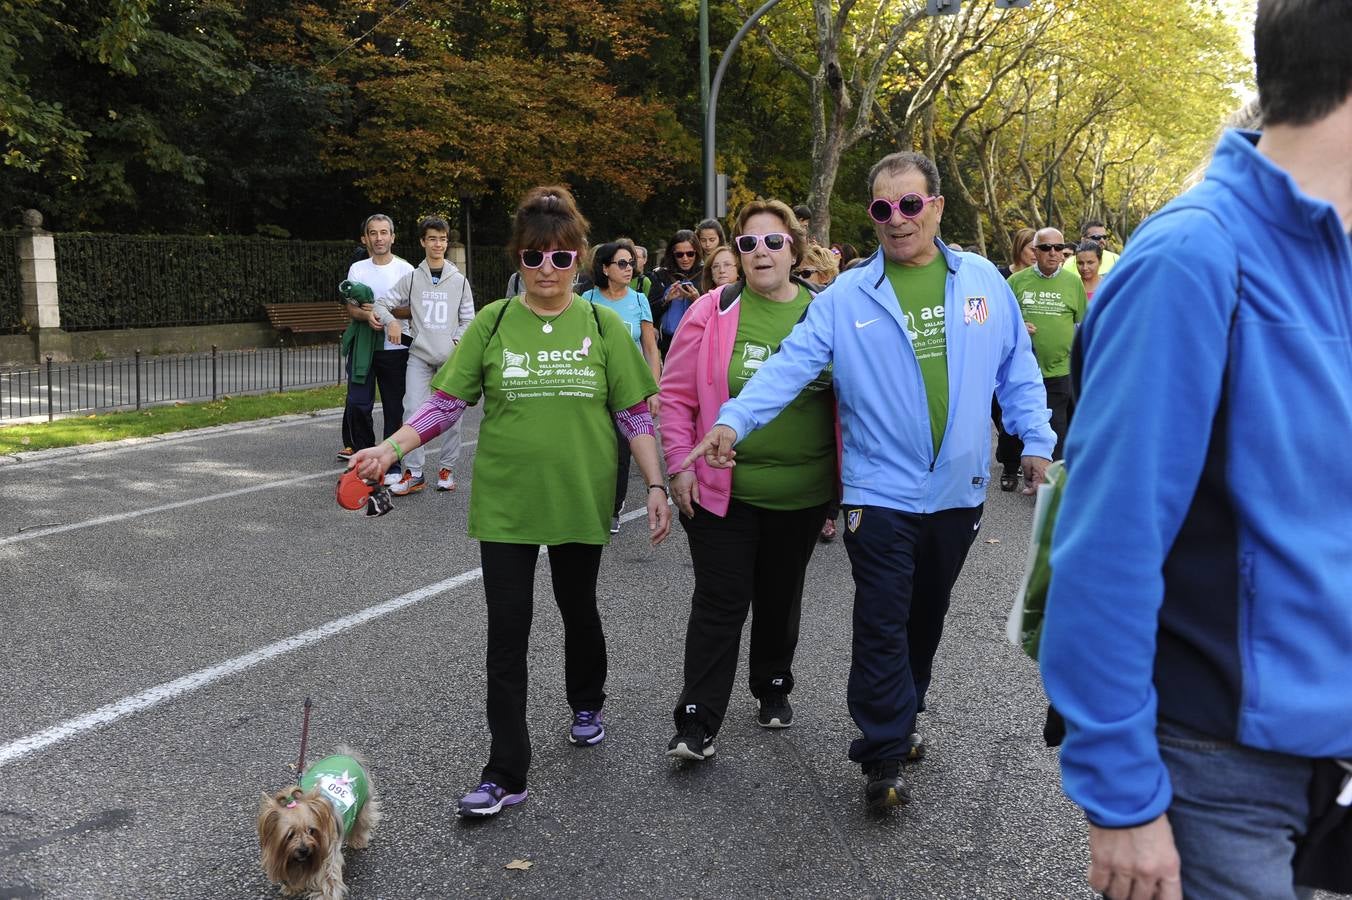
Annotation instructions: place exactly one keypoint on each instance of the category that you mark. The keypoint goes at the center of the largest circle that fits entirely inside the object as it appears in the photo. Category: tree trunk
(827, 149)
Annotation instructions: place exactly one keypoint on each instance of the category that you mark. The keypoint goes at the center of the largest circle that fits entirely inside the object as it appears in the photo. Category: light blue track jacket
(1202, 558)
(857, 326)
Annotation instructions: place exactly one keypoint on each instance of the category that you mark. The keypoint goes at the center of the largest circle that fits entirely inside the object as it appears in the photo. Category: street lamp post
(711, 114)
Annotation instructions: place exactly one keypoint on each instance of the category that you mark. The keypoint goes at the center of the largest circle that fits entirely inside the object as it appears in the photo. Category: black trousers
(904, 567)
(622, 471)
(388, 370)
(754, 559)
(509, 587)
(1009, 449)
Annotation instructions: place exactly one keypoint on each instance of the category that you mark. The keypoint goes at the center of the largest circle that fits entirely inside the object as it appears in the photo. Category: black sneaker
(886, 787)
(693, 742)
(614, 524)
(915, 748)
(775, 711)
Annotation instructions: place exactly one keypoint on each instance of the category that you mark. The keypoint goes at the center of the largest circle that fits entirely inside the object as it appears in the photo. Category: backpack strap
(728, 295)
(498, 321)
(508, 302)
(597, 316)
(730, 292)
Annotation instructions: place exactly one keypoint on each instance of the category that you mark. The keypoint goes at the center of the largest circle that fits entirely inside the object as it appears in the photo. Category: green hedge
(11, 300)
(144, 281)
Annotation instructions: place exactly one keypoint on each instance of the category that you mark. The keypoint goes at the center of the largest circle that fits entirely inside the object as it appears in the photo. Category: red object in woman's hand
(353, 491)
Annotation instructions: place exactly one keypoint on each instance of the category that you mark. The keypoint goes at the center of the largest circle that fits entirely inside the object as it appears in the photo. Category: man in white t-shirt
(380, 272)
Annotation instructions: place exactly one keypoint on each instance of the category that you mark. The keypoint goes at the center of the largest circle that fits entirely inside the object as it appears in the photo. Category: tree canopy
(278, 118)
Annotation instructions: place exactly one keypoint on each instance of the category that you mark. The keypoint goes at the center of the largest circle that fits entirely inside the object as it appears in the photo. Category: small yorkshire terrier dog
(302, 829)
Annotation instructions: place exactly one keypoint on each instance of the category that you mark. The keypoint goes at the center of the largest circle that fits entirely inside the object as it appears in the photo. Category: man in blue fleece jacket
(1198, 638)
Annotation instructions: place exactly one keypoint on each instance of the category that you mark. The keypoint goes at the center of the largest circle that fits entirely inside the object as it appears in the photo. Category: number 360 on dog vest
(342, 781)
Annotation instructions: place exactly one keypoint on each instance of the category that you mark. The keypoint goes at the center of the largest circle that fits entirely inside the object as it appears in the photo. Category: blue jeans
(1236, 815)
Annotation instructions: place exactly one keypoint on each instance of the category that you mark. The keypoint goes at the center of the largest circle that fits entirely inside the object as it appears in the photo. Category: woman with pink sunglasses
(559, 377)
(751, 529)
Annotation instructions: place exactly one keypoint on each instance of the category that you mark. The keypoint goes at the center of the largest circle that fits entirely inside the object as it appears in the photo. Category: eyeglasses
(910, 205)
(774, 242)
(683, 254)
(1097, 237)
(1048, 248)
(559, 259)
(805, 273)
(622, 263)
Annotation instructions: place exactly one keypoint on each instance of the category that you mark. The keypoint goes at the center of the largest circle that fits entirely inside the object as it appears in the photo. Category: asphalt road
(221, 556)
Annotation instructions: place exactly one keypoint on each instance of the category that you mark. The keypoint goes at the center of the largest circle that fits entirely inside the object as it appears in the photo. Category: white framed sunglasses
(774, 241)
(559, 259)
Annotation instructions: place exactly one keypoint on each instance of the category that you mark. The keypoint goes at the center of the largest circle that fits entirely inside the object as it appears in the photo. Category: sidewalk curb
(167, 438)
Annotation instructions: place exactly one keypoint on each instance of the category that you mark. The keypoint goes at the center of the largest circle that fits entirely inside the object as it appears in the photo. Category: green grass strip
(165, 419)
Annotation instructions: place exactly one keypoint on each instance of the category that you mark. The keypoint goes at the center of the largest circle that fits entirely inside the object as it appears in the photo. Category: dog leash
(304, 738)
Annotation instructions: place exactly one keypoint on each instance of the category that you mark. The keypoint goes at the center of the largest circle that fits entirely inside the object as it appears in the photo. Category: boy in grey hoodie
(436, 299)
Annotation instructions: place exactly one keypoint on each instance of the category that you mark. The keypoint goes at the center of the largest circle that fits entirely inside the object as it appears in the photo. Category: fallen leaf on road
(993, 541)
(519, 865)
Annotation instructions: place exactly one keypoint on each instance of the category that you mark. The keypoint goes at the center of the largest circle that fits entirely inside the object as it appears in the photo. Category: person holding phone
(675, 285)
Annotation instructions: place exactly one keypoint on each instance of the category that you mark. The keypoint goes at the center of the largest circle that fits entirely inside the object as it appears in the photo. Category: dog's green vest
(342, 781)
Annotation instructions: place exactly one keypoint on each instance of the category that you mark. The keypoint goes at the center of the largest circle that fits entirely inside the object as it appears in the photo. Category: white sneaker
(392, 478)
(445, 480)
(410, 483)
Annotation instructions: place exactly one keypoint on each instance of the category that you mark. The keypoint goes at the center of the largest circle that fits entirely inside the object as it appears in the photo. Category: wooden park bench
(307, 318)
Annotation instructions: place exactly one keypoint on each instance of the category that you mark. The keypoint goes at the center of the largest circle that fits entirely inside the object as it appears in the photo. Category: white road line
(104, 715)
(169, 690)
(179, 504)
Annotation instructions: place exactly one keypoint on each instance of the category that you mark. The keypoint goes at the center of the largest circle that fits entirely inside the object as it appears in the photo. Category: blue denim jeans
(1236, 815)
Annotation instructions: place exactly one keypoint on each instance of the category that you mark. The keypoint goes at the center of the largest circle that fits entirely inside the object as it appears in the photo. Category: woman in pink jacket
(751, 529)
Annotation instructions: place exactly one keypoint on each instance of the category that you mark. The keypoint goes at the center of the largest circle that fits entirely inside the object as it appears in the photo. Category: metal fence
(55, 389)
(11, 300)
(489, 272)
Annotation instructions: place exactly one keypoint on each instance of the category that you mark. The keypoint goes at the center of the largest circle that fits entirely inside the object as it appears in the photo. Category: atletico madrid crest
(975, 310)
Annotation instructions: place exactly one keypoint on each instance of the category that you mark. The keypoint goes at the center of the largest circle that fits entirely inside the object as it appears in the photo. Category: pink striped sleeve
(439, 413)
(634, 421)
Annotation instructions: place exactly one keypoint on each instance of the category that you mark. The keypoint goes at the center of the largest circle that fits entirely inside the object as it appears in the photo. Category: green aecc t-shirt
(544, 470)
(791, 462)
(920, 293)
(1053, 306)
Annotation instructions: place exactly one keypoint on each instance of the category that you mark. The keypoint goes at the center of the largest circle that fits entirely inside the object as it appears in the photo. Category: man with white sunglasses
(919, 336)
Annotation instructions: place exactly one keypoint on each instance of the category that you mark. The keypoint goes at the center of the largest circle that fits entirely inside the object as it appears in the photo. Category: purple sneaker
(588, 728)
(488, 800)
